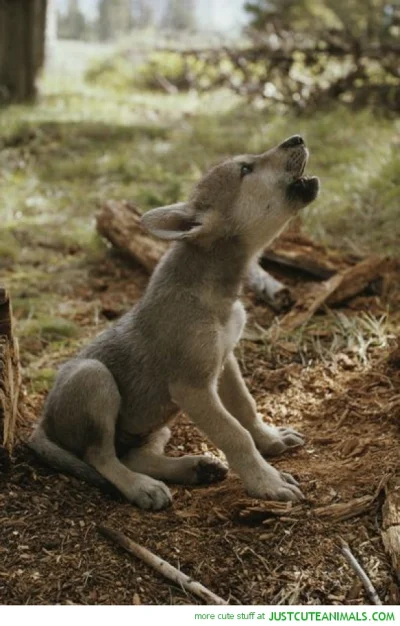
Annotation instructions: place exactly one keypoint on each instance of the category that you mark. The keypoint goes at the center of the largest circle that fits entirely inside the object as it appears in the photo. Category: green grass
(49, 328)
(40, 380)
(80, 145)
(73, 150)
(333, 337)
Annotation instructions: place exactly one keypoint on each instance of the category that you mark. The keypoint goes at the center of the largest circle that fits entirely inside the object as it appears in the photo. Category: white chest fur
(233, 329)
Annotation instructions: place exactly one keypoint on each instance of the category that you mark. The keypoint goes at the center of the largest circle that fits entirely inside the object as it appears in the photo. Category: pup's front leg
(206, 409)
(270, 440)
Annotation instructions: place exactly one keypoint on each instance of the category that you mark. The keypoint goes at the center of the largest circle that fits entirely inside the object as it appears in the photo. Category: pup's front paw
(150, 494)
(272, 441)
(273, 485)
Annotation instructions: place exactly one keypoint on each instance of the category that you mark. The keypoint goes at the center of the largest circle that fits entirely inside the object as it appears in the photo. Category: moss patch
(49, 328)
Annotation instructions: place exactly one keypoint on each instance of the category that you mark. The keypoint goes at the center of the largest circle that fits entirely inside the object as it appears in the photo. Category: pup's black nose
(292, 142)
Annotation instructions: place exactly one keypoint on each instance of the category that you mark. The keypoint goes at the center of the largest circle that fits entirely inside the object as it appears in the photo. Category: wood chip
(341, 511)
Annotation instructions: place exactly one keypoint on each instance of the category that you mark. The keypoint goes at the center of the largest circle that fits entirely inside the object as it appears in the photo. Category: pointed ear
(175, 221)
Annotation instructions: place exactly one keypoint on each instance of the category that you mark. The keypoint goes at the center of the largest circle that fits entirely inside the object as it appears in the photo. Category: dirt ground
(348, 409)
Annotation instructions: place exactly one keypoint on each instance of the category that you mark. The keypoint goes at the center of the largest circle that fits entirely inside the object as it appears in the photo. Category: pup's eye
(246, 168)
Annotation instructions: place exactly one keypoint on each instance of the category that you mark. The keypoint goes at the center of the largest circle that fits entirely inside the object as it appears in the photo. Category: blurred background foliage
(138, 97)
(134, 99)
(299, 53)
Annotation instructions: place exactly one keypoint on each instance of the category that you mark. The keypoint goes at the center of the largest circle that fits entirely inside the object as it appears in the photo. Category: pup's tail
(65, 461)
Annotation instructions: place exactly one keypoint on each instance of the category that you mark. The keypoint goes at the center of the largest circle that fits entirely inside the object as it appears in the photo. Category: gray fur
(64, 461)
(173, 351)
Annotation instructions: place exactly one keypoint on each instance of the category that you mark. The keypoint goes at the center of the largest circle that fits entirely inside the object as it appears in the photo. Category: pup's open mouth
(302, 189)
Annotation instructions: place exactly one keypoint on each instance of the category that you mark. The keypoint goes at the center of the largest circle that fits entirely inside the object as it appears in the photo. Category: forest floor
(337, 379)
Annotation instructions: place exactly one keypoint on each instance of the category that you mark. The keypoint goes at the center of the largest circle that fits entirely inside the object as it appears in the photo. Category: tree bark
(391, 523)
(22, 37)
(10, 377)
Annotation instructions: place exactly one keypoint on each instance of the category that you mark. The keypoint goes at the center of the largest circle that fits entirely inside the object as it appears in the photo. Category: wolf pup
(106, 418)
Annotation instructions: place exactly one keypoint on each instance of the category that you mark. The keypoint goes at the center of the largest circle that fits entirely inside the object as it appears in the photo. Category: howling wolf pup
(106, 418)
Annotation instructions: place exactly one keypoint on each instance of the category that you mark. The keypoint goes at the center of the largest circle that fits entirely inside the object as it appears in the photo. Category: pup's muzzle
(292, 142)
(302, 189)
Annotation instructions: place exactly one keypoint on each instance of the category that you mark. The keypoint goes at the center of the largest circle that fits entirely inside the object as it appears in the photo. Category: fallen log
(119, 222)
(10, 377)
(309, 304)
(391, 523)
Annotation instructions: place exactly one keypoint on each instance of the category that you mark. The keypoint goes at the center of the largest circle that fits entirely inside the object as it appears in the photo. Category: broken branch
(306, 306)
(357, 278)
(341, 286)
(119, 222)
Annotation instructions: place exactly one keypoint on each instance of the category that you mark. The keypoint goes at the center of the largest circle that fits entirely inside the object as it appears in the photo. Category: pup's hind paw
(209, 469)
(150, 494)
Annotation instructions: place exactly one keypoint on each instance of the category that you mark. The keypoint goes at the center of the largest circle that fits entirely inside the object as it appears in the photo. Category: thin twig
(354, 564)
(161, 566)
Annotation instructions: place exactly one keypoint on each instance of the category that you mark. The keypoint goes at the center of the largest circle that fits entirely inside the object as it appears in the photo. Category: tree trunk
(10, 378)
(22, 37)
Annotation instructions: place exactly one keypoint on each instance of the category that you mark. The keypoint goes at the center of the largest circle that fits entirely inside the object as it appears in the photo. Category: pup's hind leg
(84, 407)
(187, 470)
